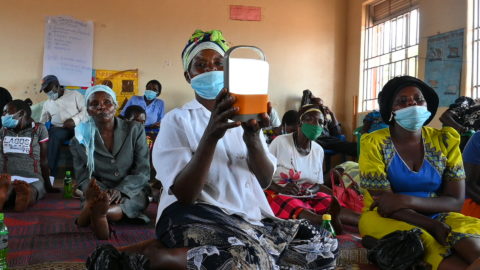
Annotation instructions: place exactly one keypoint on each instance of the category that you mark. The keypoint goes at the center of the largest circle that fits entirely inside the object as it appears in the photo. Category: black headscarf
(391, 89)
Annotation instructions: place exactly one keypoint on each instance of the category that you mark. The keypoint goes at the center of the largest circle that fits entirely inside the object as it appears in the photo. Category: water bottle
(327, 223)
(3, 243)
(67, 185)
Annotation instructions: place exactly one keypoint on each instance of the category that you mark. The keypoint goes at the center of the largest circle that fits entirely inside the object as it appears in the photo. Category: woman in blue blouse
(153, 106)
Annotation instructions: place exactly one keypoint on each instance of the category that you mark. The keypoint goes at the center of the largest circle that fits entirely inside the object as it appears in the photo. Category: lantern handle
(226, 62)
(256, 49)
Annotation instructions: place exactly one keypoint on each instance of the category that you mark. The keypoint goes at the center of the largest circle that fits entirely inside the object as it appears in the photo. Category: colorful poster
(443, 67)
(124, 83)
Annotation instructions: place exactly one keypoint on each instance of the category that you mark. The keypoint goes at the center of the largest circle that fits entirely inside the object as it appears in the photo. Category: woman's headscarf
(85, 131)
(308, 108)
(395, 85)
(200, 41)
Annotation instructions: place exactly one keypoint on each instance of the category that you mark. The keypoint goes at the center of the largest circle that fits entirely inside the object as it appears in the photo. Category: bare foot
(98, 218)
(22, 195)
(93, 190)
(5, 181)
(91, 194)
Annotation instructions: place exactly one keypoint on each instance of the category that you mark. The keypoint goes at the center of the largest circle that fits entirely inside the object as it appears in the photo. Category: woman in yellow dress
(415, 178)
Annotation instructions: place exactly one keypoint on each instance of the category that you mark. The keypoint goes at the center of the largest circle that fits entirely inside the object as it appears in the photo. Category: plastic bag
(398, 250)
(107, 257)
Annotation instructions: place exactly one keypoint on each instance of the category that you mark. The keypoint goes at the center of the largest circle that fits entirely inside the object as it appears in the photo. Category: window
(390, 46)
(476, 50)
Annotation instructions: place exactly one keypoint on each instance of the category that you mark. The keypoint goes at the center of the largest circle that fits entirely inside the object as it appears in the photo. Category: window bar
(365, 51)
(476, 57)
(475, 48)
(382, 41)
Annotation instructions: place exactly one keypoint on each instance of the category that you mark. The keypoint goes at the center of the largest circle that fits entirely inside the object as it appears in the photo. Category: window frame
(386, 49)
(475, 50)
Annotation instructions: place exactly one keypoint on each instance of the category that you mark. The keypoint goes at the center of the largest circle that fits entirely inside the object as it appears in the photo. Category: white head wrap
(196, 48)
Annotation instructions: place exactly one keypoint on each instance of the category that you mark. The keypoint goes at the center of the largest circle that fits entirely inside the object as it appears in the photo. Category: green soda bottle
(67, 185)
(3, 243)
(327, 223)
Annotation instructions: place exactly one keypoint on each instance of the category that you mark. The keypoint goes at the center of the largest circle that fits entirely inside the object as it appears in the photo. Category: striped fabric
(287, 207)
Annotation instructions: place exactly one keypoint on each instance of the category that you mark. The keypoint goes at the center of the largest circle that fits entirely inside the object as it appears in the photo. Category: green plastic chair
(357, 133)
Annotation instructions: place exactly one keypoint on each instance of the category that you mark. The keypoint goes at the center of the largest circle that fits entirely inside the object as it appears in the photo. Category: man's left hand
(69, 123)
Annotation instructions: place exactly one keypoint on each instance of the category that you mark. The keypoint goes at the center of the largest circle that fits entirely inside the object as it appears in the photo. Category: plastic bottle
(67, 185)
(327, 223)
(3, 243)
(469, 132)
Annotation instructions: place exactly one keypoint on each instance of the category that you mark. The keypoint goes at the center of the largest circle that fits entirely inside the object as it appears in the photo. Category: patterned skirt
(220, 241)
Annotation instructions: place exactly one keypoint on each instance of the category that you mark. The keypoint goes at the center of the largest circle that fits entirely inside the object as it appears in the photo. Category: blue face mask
(208, 84)
(150, 94)
(8, 121)
(412, 118)
(52, 95)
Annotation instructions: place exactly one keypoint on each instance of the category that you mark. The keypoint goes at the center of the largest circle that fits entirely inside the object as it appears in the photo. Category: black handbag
(399, 250)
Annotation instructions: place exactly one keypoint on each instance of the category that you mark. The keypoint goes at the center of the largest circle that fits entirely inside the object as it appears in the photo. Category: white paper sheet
(68, 50)
(25, 179)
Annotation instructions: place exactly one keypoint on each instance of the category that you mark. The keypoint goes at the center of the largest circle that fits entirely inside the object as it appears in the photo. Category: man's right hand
(223, 110)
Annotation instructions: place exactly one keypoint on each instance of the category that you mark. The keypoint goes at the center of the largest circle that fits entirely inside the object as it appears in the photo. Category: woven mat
(47, 233)
(352, 256)
(53, 266)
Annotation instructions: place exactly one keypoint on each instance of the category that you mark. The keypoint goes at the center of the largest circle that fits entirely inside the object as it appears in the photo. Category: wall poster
(443, 66)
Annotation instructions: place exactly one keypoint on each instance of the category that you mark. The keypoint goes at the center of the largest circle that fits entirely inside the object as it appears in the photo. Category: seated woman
(110, 159)
(463, 115)
(297, 190)
(372, 121)
(299, 172)
(24, 155)
(289, 124)
(154, 106)
(330, 139)
(135, 113)
(471, 161)
(213, 172)
(414, 177)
